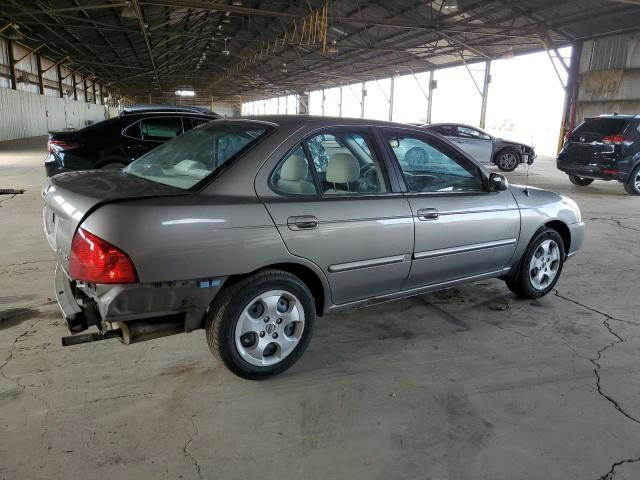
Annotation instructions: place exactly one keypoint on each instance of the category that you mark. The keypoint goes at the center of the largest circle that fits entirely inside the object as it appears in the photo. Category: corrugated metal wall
(609, 78)
(24, 114)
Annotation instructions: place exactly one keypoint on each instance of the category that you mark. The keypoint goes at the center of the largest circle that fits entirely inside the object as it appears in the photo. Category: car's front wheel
(633, 184)
(580, 181)
(261, 325)
(540, 266)
(508, 160)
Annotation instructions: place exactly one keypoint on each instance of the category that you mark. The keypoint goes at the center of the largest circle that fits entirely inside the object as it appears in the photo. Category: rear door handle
(428, 214)
(302, 222)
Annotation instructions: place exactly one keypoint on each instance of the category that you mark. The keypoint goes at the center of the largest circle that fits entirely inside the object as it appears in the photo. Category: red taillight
(614, 139)
(93, 260)
(60, 145)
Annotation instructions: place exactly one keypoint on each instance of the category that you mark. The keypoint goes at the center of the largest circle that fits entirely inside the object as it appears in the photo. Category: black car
(116, 142)
(603, 148)
(486, 148)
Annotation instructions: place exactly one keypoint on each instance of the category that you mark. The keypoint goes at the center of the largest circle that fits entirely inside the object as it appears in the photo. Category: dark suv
(603, 148)
(116, 142)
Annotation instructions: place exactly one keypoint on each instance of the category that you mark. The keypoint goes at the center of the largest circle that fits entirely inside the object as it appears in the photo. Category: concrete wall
(226, 109)
(25, 114)
(609, 76)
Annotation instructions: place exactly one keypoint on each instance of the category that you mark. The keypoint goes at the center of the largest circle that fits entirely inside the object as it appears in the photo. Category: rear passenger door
(461, 229)
(334, 204)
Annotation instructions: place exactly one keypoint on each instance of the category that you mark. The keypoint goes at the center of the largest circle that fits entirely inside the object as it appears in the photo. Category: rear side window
(197, 154)
(293, 176)
(601, 127)
(161, 129)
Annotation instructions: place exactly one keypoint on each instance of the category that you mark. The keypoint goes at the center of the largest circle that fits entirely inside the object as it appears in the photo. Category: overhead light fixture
(225, 52)
(236, 3)
(450, 5)
(185, 93)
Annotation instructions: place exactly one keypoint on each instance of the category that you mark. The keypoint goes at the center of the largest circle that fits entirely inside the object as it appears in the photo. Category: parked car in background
(251, 227)
(603, 148)
(116, 142)
(485, 148)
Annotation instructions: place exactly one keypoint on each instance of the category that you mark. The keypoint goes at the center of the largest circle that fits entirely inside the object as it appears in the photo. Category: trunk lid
(69, 197)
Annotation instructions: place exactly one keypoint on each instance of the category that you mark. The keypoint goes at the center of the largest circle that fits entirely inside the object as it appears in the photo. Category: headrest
(342, 168)
(294, 168)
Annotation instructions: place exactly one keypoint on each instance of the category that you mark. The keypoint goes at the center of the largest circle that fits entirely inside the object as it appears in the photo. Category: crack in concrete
(6, 199)
(595, 361)
(185, 449)
(618, 222)
(612, 473)
(25, 263)
(17, 381)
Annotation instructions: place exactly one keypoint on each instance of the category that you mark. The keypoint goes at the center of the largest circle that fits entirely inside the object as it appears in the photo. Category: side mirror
(497, 183)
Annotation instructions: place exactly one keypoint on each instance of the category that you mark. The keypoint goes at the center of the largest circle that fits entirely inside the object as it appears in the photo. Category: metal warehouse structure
(238, 50)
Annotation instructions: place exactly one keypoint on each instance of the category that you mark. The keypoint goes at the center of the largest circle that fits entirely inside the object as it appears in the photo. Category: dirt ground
(469, 383)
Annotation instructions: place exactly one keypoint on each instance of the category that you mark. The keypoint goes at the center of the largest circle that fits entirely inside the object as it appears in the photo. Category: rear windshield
(601, 127)
(192, 157)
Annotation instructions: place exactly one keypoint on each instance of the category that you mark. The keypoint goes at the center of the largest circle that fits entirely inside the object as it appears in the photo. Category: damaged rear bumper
(140, 311)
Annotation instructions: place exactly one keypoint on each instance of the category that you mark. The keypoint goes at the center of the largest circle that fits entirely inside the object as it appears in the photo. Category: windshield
(189, 158)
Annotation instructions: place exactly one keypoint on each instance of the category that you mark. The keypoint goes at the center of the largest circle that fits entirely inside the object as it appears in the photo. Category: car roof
(159, 108)
(320, 121)
(614, 115)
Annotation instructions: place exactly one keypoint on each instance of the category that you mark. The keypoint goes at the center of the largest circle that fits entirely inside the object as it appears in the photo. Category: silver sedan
(250, 228)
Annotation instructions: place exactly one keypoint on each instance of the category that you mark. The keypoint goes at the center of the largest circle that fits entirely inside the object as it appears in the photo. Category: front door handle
(302, 222)
(428, 214)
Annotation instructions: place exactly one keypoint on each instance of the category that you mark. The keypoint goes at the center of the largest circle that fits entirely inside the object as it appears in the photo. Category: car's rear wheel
(261, 325)
(633, 183)
(580, 181)
(540, 266)
(508, 160)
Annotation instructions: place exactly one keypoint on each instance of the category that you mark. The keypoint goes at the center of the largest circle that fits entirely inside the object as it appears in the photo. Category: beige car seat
(343, 169)
(293, 176)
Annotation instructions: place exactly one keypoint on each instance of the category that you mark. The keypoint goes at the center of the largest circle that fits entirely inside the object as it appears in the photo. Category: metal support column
(340, 104)
(485, 93)
(93, 89)
(60, 86)
(432, 85)
(40, 76)
(73, 82)
(364, 94)
(12, 65)
(391, 99)
(84, 85)
(571, 92)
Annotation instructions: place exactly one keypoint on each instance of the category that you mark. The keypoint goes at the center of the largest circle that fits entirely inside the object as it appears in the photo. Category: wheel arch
(311, 279)
(564, 232)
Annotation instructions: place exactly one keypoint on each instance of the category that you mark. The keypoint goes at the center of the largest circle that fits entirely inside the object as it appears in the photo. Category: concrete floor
(466, 383)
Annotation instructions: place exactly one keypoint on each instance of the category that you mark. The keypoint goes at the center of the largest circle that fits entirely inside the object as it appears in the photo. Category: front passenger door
(461, 230)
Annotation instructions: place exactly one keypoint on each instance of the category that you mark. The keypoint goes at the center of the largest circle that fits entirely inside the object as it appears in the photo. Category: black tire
(632, 186)
(229, 304)
(520, 282)
(505, 160)
(580, 181)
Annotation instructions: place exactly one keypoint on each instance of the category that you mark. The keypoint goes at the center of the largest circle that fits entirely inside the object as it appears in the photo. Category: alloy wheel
(269, 328)
(508, 161)
(544, 264)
